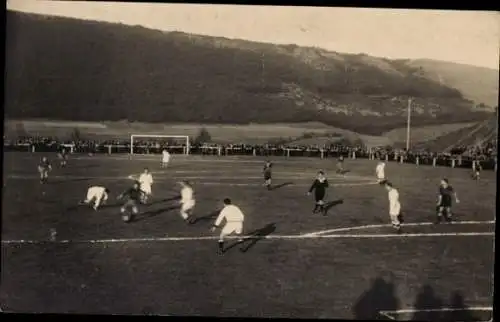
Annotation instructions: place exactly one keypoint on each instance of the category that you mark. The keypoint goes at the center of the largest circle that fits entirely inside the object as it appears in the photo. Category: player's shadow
(154, 213)
(460, 311)
(380, 297)
(165, 200)
(332, 204)
(254, 237)
(281, 185)
(208, 217)
(429, 307)
(56, 182)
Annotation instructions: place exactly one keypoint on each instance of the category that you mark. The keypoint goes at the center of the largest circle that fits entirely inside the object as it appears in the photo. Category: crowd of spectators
(459, 156)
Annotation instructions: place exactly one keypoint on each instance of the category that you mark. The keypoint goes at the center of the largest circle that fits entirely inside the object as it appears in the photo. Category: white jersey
(166, 157)
(232, 214)
(380, 170)
(146, 179)
(98, 194)
(187, 195)
(394, 205)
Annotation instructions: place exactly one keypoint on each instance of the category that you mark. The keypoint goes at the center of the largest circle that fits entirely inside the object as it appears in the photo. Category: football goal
(155, 143)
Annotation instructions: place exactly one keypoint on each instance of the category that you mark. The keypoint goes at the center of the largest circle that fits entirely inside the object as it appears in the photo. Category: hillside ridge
(68, 69)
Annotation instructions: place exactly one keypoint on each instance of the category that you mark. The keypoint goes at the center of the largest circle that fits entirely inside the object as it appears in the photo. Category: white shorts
(232, 227)
(146, 189)
(395, 211)
(187, 205)
(165, 160)
(380, 176)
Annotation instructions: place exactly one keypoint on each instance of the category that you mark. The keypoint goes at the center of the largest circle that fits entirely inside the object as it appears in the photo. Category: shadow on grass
(380, 297)
(253, 238)
(56, 182)
(208, 217)
(165, 200)
(429, 307)
(281, 185)
(154, 213)
(332, 204)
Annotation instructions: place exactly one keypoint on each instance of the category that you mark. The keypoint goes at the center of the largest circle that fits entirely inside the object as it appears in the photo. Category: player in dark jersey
(268, 174)
(340, 165)
(445, 200)
(43, 168)
(319, 187)
(63, 156)
(132, 200)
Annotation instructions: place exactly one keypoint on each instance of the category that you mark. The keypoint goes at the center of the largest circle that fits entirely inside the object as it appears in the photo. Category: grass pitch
(348, 264)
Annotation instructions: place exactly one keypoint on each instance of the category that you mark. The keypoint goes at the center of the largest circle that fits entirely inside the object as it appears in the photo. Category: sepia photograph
(249, 161)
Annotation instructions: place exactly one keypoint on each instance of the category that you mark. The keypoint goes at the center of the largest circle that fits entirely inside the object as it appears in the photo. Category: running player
(146, 181)
(394, 206)
(96, 195)
(444, 203)
(63, 157)
(43, 168)
(380, 172)
(476, 170)
(234, 223)
(268, 174)
(340, 165)
(165, 158)
(319, 186)
(187, 201)
(133, 198)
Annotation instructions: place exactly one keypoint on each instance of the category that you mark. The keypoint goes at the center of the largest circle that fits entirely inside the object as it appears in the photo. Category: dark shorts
(267, 176)
(319, 196)
(446, 203)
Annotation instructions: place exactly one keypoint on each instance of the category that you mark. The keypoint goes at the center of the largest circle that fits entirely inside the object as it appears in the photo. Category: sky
(467, 37)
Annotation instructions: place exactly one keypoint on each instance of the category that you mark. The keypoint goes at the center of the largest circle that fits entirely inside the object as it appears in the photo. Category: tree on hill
(203, 137)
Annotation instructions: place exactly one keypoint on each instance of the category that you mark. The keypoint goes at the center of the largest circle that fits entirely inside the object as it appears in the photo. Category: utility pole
(408, 124)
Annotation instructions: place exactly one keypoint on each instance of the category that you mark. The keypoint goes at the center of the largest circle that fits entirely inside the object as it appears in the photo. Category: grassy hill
(478, 84)
(67, 69)
(466, 136)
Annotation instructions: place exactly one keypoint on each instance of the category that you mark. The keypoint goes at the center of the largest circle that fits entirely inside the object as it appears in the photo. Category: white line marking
(336, 230)
(277, 237)
(388, 313)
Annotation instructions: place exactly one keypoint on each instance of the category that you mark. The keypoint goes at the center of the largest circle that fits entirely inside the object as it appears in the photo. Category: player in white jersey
(234, 222)
(394, 206)
(96, 196)
(187, 201)
(165, 158)
(146, 181)
(380, 171)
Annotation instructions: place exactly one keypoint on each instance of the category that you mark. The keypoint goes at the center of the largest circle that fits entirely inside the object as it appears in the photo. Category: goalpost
(135, 137)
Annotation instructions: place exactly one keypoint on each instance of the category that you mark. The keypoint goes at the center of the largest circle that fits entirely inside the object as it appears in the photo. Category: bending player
(319, 186)
(234, 218)
(43, 168)
(165, 158)
(394, 206)
(380, 172)
(187, 201)
(268, 174)
(96, 195)
(133, 198)
(446, 192)
(145, 182)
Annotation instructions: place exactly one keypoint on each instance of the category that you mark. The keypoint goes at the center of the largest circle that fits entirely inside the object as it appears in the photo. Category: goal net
(155, 144)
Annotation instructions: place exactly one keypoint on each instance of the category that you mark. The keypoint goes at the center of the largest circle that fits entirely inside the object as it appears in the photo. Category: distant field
(223, 133)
